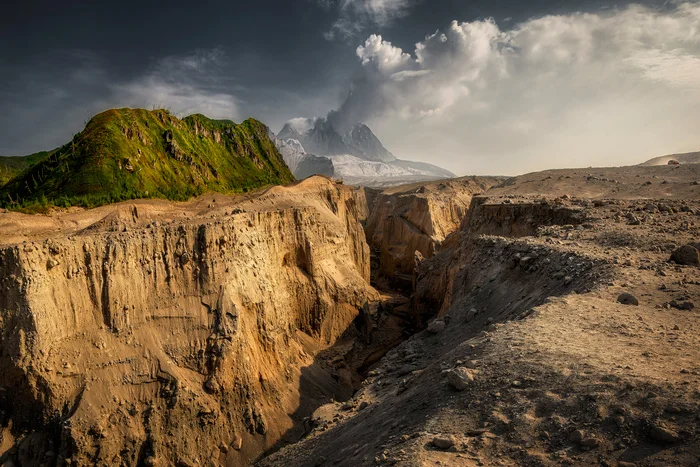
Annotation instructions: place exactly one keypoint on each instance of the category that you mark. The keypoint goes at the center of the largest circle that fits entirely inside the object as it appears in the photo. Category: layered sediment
(417, 218)
(178, 342)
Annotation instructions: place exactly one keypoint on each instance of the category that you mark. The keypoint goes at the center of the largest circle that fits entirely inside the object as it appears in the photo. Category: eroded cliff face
(183, 342)
(477, 250)
(418, 218)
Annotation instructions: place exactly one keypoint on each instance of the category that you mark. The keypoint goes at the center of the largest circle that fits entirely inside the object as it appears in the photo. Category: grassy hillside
(135, 153)
(11, 166)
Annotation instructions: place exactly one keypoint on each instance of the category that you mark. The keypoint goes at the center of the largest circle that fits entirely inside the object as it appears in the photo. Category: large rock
(686, 255)
(627, 298)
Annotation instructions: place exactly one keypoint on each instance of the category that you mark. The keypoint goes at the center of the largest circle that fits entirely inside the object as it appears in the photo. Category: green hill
(134, 153)
(11, 166)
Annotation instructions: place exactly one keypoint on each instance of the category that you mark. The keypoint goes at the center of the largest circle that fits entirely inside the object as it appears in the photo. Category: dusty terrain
(231, 331)
(528, 358)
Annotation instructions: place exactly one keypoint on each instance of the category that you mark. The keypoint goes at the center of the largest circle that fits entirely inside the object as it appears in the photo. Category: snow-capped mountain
(355, 155)
(319, 136)
(299, 162)
(292, 152)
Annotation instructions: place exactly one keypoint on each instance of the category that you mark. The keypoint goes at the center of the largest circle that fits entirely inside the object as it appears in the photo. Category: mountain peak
(321, 137)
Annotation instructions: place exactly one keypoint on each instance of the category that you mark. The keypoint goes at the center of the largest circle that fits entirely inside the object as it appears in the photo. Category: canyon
(471, 321)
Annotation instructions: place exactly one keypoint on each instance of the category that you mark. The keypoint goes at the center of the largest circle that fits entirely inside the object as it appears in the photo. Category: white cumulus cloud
(562, 90)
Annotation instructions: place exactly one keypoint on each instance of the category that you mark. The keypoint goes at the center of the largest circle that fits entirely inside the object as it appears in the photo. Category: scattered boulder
(589, 442)
(663, 435)
(460, 377)
(681, 305)
(632, 219)
(443, 442)
(627, 298)
(686, 255)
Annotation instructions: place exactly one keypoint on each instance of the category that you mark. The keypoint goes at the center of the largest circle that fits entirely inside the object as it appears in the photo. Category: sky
(477, 87)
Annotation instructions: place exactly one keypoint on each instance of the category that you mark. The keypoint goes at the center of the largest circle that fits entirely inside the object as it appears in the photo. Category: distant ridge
(136, 153)
(685, 158)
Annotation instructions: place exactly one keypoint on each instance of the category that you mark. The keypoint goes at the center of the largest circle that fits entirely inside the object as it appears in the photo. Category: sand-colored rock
(418, 217)
(171, 339)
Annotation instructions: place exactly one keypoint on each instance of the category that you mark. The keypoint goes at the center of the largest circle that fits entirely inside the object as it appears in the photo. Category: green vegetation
(134, 153)
(11, 166)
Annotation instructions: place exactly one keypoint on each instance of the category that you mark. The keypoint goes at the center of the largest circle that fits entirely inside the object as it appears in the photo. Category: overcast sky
(487, 86)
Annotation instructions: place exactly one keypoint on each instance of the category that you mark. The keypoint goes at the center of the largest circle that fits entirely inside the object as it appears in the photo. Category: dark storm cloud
(62, 63)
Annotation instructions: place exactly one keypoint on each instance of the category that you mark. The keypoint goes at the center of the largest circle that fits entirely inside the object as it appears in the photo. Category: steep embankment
(135, 153)
(182, 342)
(417, 217)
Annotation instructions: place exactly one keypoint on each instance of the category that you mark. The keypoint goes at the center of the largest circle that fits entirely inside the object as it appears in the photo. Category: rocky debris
(680, 305)
(627, 298)
(632, 219)
(686, 255)
(460, 378)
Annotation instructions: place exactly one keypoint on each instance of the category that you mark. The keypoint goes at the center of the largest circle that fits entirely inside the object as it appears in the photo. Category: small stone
(460, 377)
(627, 299)
(589, 442)
(237, 442)
(436, 327)
(150, 460)
(576, 436)
(443, 442)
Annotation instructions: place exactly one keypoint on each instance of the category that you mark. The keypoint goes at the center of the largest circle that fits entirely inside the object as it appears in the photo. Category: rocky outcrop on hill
(181, 343)
(417, 218)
